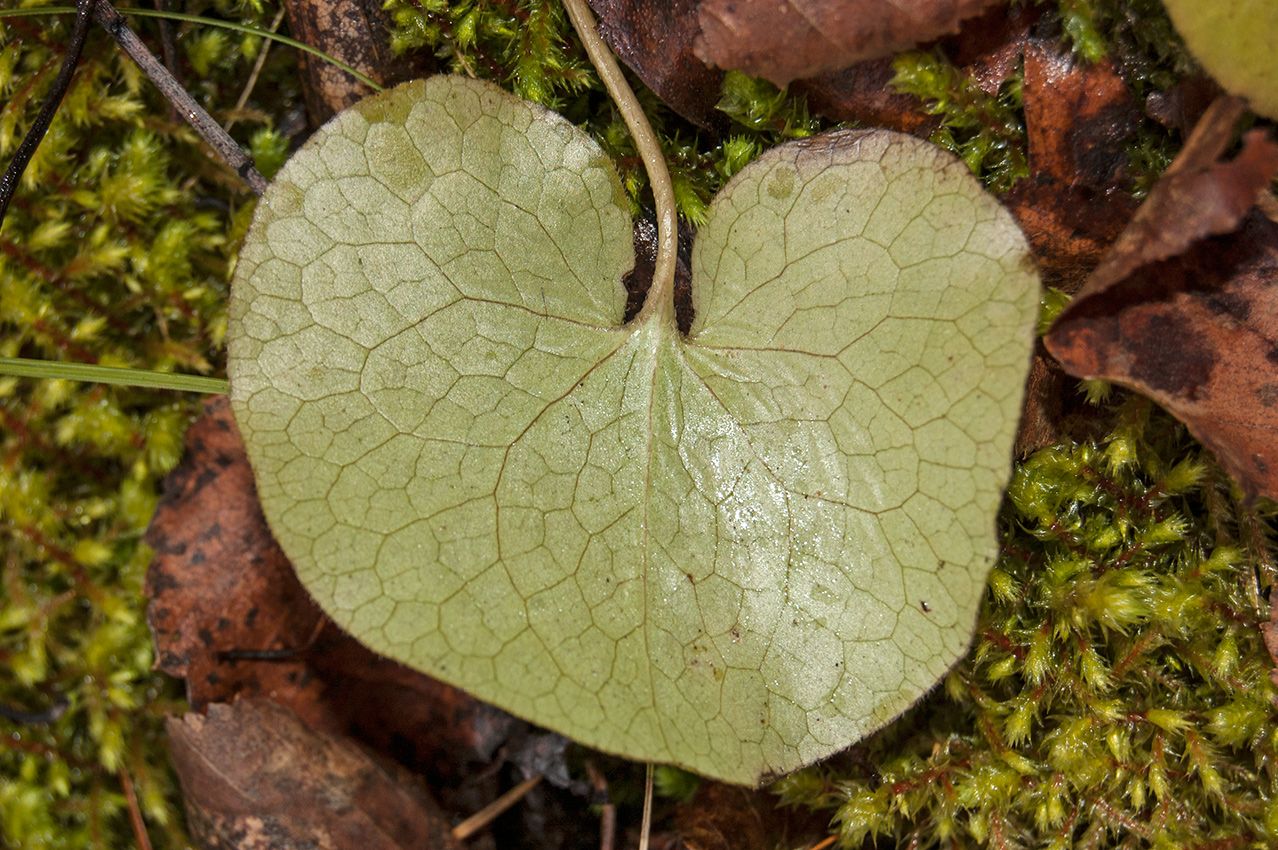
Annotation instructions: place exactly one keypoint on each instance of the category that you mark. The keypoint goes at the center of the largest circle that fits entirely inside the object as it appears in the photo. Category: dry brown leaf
(219, 582)
(1079, 116)
(1198, 334)
(1184, 307)
(1079, 120)
(255, 777)
(658, 48)
(784, 40)
(1187, 204)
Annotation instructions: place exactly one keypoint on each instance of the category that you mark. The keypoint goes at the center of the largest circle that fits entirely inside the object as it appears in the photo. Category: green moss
(1117, 694)
(114, 252)
(1137, 34)
(986, 131)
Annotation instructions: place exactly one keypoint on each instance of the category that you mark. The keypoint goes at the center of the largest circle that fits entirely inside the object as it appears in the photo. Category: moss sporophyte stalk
(1117, 693)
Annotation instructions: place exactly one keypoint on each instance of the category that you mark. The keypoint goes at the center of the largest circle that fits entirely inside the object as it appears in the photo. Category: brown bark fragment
(255, 777)
(357, 33)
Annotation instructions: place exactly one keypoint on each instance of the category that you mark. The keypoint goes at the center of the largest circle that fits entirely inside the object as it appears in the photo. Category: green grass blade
(59, 370)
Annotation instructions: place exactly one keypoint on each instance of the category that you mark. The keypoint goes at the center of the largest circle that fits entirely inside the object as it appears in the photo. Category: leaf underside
(1234, 40)
(738, 551)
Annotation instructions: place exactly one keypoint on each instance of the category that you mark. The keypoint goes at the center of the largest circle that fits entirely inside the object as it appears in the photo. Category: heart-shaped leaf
(739, 550)
(1235, 40)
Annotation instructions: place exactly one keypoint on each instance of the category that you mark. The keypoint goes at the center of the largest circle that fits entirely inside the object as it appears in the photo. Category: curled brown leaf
(1184, 307)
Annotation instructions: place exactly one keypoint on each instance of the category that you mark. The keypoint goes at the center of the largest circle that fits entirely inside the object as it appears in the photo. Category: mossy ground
(1117, 695)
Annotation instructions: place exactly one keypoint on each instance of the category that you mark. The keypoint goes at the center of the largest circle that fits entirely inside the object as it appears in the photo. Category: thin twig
(607, 810)
(13, 175)
(35, 718)
(489, 813)
(257, 69)
(212, 133)
(135, 812)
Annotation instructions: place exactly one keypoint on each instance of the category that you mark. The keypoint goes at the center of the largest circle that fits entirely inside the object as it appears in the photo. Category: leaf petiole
(21, 367)
(661, 294)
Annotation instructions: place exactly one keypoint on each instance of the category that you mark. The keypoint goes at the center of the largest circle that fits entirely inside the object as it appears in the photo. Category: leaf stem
(645, 829)
(22, 367)
(661, 294)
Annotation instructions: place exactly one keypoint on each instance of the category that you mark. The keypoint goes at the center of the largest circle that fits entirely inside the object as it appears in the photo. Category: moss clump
(1118, 692)
(986, 131)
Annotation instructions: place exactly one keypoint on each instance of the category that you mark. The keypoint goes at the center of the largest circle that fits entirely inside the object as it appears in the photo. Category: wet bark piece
(786, 40)
(658, 47)
(357, 33)
(255, 777)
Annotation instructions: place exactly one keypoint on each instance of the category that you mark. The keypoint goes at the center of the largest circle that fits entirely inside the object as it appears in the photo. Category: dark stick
(12, 176)
(217, 138)
(33, 718)
(168, 44)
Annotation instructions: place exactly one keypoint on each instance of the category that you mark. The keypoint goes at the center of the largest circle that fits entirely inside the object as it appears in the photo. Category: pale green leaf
(1237, 42)
(737, 551)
